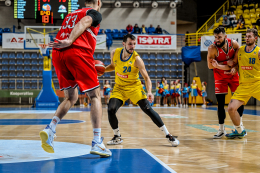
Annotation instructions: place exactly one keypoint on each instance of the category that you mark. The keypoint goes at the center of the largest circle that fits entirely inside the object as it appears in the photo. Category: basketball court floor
(144, 150)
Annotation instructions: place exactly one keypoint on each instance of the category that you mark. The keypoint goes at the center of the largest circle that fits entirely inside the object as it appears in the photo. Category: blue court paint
(246, 111)
(35, 121)
(121, 161)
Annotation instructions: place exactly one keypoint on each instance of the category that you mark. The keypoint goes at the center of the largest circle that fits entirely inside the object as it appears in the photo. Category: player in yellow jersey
(248, 59)
(127, 63)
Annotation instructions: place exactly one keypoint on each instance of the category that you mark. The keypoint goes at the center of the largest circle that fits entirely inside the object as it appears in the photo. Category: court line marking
(159, 161)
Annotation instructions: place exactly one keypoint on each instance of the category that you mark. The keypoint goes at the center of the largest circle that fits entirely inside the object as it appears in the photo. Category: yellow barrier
(193, 39)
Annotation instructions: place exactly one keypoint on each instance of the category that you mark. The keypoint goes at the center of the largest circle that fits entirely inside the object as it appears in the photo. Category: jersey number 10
(251, 60)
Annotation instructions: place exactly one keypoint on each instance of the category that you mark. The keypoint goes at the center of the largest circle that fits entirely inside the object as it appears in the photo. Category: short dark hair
(132, 37)
(219, 29)
(254, 31)
(91, 1)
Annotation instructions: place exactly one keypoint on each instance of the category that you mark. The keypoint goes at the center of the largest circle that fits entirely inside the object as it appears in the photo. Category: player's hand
(150, 97)
(230, 63)
(214, 63)
(233, 71)
(60, 43)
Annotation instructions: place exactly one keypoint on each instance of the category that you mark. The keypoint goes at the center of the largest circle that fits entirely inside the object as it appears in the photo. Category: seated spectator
(158, 30)
(129, 28)
(136, 29)
(232, 19)
(241, 18)
(240, 25)
(143, 30)
(151, 29)
(254, 27)
(103, 31)
(226, 22)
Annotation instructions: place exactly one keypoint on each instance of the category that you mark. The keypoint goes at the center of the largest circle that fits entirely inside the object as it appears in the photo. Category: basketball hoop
(44, 49)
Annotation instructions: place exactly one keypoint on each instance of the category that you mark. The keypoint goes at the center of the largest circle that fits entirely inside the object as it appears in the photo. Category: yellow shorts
(132, 92)
(247, 90)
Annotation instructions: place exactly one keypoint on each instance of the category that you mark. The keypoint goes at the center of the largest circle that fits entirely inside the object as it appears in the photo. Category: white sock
(164, 129)
(117, 132)
(221, 127)
(239, 128)
(241, 123)
(97, 134)
(55, 120)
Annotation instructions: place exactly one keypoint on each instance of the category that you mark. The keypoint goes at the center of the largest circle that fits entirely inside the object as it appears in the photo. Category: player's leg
(180, 101)
(235, 117)
(98, 147)
(47, 135)
(148, 110)
(113, 106)
(221, 115)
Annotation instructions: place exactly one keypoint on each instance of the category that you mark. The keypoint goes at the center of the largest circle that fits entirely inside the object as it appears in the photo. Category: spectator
(254, 27)
(103, 31)
(158, 30)
(228, 14)
(241, 18)
(129, 28)
(151, 29)
(226, 22)
(232, 18)
(240, 25)
(233, 2)
(239, 2)
(187, 39)
(143, 30)
(136, 29)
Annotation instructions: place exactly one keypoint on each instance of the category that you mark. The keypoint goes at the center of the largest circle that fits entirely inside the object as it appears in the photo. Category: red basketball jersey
(224, 56)
(87, 40)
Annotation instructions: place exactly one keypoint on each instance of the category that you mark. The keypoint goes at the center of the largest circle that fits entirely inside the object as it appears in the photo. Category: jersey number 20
(251, 60)
(127, 70)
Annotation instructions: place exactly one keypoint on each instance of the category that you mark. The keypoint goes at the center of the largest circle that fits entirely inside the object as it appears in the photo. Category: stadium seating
(6, 30)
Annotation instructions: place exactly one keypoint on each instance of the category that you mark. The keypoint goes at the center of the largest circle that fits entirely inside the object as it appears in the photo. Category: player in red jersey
(73, 60)
(220, 59)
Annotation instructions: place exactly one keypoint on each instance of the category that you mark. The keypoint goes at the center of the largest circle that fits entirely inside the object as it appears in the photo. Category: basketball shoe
(47, 136)
(235, 134)
(172, 139)
(115, 140)
(100, 149)
(219, 134)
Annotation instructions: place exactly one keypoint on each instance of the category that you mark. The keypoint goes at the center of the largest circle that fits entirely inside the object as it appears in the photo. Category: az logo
(14, 40)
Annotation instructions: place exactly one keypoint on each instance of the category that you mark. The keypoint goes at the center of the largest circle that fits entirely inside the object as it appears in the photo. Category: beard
(250, 44)
(128, 50)
(221, 44)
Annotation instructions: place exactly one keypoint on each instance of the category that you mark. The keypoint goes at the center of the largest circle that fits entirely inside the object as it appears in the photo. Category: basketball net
(43, 49)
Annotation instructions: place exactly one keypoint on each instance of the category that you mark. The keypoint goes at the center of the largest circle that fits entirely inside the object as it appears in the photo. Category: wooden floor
(197, 151)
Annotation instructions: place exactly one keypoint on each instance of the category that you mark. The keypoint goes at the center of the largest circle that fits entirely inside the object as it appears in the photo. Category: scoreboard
(35, 9)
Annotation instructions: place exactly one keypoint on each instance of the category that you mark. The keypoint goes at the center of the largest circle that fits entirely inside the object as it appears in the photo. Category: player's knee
(231, 109)
(111, 110)
(95, 94)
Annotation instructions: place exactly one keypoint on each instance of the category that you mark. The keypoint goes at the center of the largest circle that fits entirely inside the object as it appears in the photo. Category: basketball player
(75, 66)
(248, 58)
(127, 63)
(220, 55)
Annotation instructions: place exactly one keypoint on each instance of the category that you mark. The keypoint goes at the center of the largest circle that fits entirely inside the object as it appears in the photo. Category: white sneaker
(187, 106)
(173, 140)
(47, 136)
(195, 106)
(115, 140)
(192, 105)
(100, 149)
(180, 105)
(203, 106)
(130, 105)
(81, 105)
(165, 105)
(219, 134)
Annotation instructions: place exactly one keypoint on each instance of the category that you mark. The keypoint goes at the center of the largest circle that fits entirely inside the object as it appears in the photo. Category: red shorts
(75, 68)
(221, 85)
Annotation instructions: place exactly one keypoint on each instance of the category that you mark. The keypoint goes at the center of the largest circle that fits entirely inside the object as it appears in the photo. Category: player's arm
(259, 54)
(234, 62)
(140, 65)
(92, 18)
(111, 67)
(211, 55)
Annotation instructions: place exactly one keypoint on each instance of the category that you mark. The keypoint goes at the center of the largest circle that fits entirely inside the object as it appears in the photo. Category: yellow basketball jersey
(125, 71)
(193, 86)
(249, 65)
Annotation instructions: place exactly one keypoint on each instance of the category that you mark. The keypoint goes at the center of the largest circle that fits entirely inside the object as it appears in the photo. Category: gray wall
(119, 18)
